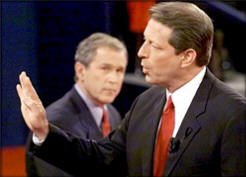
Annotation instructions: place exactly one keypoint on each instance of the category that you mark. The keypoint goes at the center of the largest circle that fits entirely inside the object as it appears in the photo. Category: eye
(105, 68)
(155, 46)
(152, 44)
(120, 70)
(149, 42)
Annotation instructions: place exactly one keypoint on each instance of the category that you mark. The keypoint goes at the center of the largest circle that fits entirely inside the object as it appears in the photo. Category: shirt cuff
(37, 141)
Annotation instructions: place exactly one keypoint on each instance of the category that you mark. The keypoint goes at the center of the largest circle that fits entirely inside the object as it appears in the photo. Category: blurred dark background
(41, 38)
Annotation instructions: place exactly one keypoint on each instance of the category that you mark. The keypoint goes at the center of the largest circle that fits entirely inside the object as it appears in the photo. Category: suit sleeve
(35, 166)
(84, 157)
(80, 156)
(31, 169)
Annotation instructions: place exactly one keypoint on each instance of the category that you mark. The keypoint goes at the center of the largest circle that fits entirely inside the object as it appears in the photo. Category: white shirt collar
(188, 91)
(183, 97)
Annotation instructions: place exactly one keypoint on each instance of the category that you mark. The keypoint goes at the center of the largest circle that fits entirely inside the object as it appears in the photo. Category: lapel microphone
(174, 145)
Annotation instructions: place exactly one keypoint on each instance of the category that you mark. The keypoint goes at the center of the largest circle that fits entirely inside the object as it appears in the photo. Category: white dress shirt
(183, 97)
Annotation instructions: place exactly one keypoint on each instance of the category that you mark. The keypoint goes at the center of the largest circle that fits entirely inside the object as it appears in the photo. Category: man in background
(85, 111)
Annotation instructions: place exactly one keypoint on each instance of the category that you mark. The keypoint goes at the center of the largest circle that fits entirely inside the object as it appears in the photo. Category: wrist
(42, 133)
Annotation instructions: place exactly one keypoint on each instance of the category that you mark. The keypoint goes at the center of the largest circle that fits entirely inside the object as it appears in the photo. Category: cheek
(93, 86)
(160, 66)
(120, 80)
(163, 62)
(98, 87)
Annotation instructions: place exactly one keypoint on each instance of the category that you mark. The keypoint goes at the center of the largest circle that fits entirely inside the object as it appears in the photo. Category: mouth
(109, 90)
(145, 71)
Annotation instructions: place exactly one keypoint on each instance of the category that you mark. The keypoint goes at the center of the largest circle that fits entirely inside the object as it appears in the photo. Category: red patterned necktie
(105, 123)
(163, 139)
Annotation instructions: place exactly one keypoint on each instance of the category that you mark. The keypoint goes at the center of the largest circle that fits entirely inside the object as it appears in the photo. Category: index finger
(27, 87)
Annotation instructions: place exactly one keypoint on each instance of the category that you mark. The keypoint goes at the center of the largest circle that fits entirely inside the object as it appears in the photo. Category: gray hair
(87, 48)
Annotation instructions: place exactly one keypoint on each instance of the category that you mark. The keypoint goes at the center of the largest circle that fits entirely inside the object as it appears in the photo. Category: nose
(143, 51)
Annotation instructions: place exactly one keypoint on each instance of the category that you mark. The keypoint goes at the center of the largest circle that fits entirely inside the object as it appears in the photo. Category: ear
(188, 57)
(79, 70)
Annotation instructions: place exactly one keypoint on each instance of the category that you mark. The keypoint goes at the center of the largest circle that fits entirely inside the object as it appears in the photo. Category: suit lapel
(190, 126)
(85, 118)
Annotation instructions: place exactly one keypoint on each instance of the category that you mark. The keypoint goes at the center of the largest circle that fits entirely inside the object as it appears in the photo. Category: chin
(108, 100)
(149, 80)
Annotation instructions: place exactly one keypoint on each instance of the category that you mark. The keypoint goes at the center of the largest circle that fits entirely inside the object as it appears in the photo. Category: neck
(184, 77)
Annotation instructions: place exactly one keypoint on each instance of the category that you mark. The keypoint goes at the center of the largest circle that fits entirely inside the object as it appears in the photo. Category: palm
(31, 107)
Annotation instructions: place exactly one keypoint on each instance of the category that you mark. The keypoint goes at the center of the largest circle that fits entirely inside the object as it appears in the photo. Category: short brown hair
(192, 28)
(87, 48)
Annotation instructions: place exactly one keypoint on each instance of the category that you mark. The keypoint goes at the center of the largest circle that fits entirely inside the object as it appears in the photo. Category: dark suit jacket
(212, 137)
(71, 114)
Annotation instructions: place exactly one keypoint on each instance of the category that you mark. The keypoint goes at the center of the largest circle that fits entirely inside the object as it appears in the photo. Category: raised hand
(32, 108)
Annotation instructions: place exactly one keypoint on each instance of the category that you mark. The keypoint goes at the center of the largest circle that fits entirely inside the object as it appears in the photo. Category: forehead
(109, 55)
(157, 32)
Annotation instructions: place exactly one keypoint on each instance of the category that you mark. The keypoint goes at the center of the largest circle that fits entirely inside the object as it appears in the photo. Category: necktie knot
(169, 104)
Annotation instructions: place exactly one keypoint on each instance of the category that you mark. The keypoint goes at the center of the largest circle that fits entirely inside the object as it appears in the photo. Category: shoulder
(226, 97)
(152, 94)
(68, 105)
(62, 102)
(229, 97)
